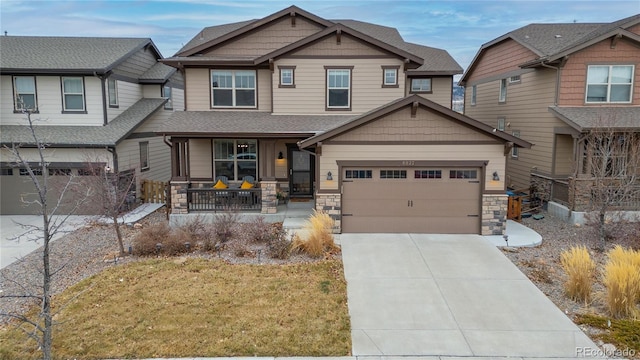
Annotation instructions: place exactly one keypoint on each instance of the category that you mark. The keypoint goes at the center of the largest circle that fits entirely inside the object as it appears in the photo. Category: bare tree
(41, 327)
(612, 166)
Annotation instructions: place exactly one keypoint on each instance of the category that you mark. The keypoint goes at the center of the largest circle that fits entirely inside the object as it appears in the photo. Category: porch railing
(560, 191)
(224, 199)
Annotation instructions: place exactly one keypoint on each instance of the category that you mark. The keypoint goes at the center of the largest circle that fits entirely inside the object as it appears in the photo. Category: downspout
(114, 155)
(104, 97)
(557, 69)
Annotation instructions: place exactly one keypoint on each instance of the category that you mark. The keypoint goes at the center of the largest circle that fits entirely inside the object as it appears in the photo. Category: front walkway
(448, 295)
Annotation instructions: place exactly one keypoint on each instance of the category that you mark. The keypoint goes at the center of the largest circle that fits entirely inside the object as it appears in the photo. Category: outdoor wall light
(329, 176)
(280, 156)
(496, 177)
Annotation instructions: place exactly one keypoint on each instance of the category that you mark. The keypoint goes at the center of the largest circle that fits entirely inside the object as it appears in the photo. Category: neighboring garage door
(411, 200)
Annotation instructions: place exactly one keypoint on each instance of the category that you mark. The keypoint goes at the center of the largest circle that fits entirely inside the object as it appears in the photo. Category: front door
(301, 165)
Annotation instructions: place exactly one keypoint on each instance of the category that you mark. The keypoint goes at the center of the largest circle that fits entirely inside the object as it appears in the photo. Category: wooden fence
(153, 191)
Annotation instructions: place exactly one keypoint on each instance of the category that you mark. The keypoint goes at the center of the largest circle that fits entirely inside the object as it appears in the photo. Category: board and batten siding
(526, 111)
(493, 153)
(268, 38)
(198, 86)
(442, 90)
(128, 94)
(137, 64)
(49, 98)
(309, 95)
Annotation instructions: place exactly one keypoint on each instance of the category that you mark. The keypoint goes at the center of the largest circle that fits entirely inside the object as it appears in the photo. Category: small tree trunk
(119, 235)
(46, 295)
(602, 232)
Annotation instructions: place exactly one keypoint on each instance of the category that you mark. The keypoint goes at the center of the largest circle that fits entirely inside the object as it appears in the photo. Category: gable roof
(584, 118)
(49, 54)
(551, 42)
(413, 100)
(157, 74)
(85, 136)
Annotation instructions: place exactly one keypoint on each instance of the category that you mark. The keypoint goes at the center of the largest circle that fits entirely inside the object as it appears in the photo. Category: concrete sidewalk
(448, 295)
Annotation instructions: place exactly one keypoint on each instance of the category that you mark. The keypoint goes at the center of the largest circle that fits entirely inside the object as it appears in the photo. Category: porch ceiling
(584, 118)
(249, 123)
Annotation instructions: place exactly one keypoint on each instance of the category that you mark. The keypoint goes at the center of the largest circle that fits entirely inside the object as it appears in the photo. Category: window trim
(502, 122)
(396, 70)
(234, 160)
(234, 89)
(144, 152)
(16, 109)
(474, 95)
(84, 97)
(430, 91)
(327, 69)
(514, 150)
(609, 84)
(281, 84)
(502, 95)
(169, 104)
(115, 104)
(515, 79)
(349, 174)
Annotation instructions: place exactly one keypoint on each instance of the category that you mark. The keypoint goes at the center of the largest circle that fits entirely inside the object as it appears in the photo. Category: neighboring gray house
(93, 98)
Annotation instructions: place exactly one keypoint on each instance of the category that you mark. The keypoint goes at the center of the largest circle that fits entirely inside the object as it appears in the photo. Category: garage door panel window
(358, 174)
(393, 174)
(428, 174)
(463, 174)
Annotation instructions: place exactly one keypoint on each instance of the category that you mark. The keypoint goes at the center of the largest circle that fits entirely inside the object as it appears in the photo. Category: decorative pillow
(220, 185)
(246, 185)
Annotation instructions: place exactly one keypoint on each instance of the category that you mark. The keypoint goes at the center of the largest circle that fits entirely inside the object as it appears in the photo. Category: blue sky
(460, 27)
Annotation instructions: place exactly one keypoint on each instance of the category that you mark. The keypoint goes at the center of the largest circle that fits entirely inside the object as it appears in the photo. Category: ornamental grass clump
(319, 238)
(580, 269)
(622, 282)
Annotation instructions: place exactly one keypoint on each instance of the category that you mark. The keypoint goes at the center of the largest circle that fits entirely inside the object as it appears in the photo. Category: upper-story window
(514, 79)
(474, 94)
(339, 88)
(421, 85)
(233, 88)
(609, 83)
(112, 85)
(390, 76)
(514, 150)
(287, 78)
(167, 93)
(24, 90)
(72, 94)
(503, 91)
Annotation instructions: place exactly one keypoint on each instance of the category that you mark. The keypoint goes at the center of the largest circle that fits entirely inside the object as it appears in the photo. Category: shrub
(175, 244)
(580, 269)
(145, 242)
(622, 281)
(258, 230)
(196, 228)
(319, 239)
(225, 225)
(279, 246)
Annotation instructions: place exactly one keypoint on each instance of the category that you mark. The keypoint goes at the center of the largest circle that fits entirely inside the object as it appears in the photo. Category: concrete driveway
(449, 295)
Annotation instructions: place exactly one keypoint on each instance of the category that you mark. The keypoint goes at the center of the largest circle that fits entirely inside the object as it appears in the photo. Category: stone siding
(269, 197)
(332, 205)
(179, 203)
(494, 214)
(542, 186)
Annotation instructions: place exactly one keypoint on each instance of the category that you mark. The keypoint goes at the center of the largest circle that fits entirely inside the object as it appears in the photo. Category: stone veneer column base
(269, 197)
(494, 214)
(332, 205)
(179, 202)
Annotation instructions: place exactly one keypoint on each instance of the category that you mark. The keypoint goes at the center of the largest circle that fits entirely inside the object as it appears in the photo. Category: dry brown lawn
(195, 307)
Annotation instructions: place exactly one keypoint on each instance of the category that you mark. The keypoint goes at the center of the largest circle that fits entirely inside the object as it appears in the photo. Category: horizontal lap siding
(198, 87)
(159, 158)
(200, 158)
(441, 90)
(128, 94)
(333, 153)
(308, 97)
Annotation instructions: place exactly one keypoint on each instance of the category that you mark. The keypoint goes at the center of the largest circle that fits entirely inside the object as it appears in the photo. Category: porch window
(609, 84)
(233, 88)
(24, 89)
(235, 159)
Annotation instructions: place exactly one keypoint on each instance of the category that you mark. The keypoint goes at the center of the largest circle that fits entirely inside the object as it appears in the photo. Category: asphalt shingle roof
(213, 32)
(108, 135)
(65, 53)
(158, 71)
(584, 117)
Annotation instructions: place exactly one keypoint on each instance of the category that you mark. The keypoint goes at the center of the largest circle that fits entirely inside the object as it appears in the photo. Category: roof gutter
(557, 69)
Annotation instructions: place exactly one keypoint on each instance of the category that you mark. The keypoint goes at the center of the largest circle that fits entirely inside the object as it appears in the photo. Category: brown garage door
(424, 200)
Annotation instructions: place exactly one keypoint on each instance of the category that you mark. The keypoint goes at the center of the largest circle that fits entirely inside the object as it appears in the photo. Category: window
(514, 79)
(233, 88)
(144, 155)
(393, 174)
(235, 159)
(358, 174)
(463, 174)
(112, 86)
(24, 90)
(287, 76)
(168, 94)
(390, 76)
(36, 171)
(72, 94)
(338, 88)
(503, 91)
(501, 123)
(514, 149)
(60, 172)
(420, 85)
(6, 171)
(474, 93)
(428, 174)
(609, 83)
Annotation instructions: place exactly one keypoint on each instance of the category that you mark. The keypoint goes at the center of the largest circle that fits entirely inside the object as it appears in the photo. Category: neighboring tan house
(341, 112)
(552, 84)
(92, 99)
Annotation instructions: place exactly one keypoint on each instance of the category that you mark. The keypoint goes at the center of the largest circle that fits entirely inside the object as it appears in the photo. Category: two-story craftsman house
(552, 84)
(342, 112)
(91, 99)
